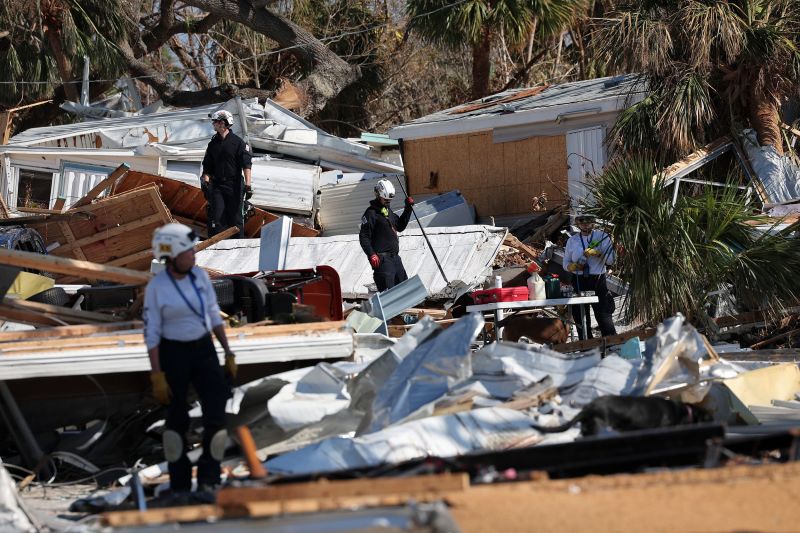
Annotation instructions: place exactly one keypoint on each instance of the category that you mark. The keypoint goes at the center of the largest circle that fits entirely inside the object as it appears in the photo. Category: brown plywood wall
(500, 179)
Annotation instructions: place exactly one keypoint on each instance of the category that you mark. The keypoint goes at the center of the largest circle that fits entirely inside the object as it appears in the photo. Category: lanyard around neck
(200, 313)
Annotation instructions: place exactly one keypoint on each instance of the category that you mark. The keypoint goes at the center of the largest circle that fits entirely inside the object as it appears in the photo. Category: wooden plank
(98, 189)
(33, 318)
(311, 505)
(611, 340)
(692, 158)
(61, 312)
(74, 267)
(439, 483)
(79, 330)
(59, 204)
(189, 513)
(221, 236)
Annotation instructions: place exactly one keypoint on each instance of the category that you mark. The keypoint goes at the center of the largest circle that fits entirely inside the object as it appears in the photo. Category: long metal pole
(433, 252)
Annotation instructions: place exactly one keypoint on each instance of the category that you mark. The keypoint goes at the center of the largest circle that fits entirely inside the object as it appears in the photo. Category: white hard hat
(223, 115)
(173, 239)
(384, 189)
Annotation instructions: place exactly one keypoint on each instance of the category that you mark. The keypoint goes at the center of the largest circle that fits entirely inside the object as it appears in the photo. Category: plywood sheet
(499, 178)
(188, 205)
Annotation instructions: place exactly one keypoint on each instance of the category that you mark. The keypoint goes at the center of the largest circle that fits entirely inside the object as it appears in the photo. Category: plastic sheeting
(427, 373)
(780, 177)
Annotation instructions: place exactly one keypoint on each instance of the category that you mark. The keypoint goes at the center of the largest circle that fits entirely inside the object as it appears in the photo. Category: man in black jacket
(227, 158)
(378, 236)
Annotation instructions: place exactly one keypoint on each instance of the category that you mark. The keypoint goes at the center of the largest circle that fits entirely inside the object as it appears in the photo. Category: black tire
(55, 296)
(224, 290)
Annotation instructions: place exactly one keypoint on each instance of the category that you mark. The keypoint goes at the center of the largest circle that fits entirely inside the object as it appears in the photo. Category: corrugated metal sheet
(342, 206)
(466, 254)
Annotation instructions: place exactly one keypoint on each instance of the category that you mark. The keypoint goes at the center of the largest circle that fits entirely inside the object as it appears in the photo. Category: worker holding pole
(378, 236)
(180, 314)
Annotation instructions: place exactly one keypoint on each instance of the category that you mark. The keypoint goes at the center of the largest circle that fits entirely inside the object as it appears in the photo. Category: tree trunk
(481, 65)
(53, 34)
(328, 74)
(765, 119)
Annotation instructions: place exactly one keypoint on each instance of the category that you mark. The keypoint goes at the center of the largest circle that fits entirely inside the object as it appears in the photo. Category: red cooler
(506, 294)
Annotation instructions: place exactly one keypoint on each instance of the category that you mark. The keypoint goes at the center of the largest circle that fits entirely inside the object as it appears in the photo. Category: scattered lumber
(73, 267)
(188, 205)
(611, 340)
(118, 234)
(66, 314)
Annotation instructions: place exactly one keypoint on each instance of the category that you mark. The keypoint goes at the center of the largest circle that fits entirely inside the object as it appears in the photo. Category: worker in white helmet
(226, 179)
(180, 312)
(378, 236)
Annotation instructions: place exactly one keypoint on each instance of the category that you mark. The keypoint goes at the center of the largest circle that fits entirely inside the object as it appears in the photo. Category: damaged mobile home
(409, 406)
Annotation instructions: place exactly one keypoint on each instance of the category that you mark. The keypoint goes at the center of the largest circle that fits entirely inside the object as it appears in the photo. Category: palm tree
(478, 23)
(675, 256)
(711, 67)
(48, 38)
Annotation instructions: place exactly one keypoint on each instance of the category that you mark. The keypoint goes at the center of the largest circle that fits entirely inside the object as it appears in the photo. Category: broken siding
(341, 206)
(500, 179)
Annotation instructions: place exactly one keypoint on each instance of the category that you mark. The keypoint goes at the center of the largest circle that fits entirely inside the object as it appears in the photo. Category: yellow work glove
(230, 366)
(161, 391)
(574, 267)
(591, 252)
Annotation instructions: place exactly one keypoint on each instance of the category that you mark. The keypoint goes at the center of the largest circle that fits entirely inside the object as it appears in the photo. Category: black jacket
(225, 158)
(378, 232)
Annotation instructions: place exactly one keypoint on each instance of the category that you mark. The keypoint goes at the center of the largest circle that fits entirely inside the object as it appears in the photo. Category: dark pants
(390, 272)
(226, 206)
(603, 309)
(194, 363)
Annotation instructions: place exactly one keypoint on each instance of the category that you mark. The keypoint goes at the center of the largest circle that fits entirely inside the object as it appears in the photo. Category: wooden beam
(230, 232)
(448, 482)
(611, 340)
(102, 186)
(33, 318)
(5, 127)
(59, 204)
(67, 232)
(78, 330)
(73, 267)
(192, 513)
(60, 312)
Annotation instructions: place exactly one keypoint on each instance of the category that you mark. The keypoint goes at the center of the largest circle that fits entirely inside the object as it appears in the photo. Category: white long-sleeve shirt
(168, 315)
(573, 252)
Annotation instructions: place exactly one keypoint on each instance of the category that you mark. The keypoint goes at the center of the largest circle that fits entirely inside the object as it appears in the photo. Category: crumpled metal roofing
(466, 254)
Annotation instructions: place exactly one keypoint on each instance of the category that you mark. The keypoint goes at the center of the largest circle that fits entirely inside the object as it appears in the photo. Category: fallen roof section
(466, 254)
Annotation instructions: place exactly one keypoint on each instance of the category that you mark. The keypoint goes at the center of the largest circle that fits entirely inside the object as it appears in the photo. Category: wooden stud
(63, 265)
